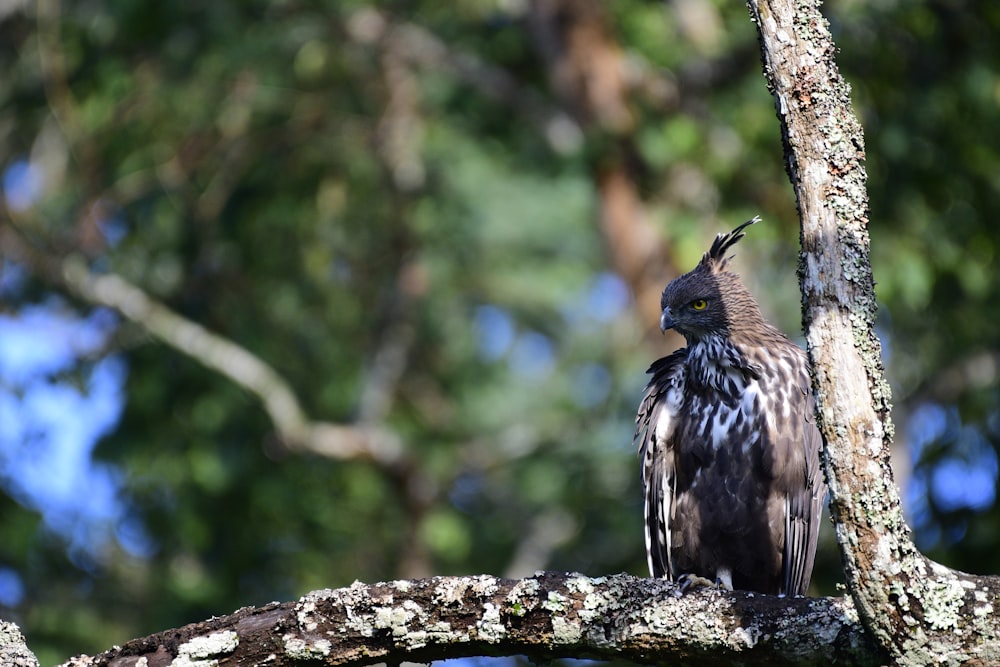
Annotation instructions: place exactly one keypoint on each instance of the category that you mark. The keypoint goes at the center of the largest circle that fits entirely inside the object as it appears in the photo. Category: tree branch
(292, 425)
(545, 616)
(921, 612)
(235, 362)
(13, 651)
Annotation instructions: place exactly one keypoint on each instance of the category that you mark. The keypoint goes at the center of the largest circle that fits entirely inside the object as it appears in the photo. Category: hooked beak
(666, 321)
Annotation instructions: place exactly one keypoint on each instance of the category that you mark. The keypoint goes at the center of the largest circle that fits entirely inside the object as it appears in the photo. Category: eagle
(726, 431)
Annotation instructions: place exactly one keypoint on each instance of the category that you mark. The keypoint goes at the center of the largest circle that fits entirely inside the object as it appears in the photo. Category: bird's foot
(689, 581)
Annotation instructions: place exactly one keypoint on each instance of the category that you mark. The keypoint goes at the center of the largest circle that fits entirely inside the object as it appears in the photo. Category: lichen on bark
(919, 611)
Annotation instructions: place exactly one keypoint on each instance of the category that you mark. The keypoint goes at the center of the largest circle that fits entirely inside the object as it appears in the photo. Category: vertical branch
(911, 605)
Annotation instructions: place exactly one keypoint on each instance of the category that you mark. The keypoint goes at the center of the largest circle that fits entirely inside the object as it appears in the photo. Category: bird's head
(709, 300)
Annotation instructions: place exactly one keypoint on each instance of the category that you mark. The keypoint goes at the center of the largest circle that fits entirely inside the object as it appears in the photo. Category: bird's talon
(687, 582)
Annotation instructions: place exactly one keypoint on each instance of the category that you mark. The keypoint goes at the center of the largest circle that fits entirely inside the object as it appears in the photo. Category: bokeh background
(442, 229)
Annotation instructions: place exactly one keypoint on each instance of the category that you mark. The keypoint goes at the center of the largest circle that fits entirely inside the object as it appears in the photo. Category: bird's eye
(699, 304)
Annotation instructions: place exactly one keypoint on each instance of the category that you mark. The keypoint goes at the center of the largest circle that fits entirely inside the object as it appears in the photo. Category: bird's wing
(654, 424)
(804, 496)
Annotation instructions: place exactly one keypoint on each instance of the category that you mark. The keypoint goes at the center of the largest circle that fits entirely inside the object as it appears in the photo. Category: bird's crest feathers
(715, 259)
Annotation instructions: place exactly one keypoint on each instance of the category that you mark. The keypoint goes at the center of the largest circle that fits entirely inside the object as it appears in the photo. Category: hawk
(731, 476)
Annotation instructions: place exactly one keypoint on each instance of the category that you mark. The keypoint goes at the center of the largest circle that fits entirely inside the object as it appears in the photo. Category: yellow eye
(699, 304)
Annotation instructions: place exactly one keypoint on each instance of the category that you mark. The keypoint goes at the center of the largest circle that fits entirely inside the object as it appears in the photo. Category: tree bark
(921, 612)
(13, 651)
(545, 616)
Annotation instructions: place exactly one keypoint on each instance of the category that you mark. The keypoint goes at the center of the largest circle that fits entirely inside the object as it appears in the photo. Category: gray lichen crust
(13, 651)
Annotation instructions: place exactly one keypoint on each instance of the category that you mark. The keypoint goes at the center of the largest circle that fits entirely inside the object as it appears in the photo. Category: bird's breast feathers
(716, 365)
(719, 397)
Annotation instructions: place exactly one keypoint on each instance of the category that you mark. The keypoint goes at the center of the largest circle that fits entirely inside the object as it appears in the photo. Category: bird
(732, 484)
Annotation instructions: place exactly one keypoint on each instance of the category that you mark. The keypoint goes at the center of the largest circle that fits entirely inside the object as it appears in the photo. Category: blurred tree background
(437, 230)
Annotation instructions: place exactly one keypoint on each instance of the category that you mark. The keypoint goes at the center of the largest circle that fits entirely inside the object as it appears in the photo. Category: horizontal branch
(544, 616)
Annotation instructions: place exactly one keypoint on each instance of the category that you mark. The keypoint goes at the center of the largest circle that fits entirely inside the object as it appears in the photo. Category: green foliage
(241, 160)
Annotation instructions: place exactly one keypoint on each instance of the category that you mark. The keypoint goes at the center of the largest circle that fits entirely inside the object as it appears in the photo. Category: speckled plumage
(732, 484)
